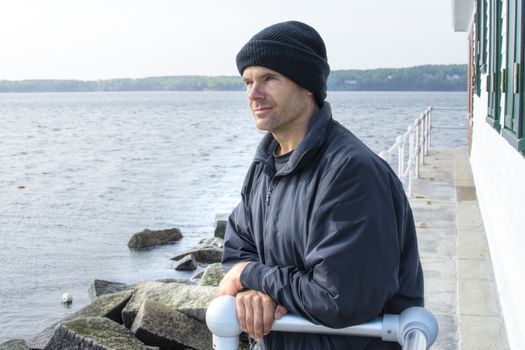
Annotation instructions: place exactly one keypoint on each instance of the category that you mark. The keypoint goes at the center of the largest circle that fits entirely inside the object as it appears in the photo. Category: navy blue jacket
(330, 236)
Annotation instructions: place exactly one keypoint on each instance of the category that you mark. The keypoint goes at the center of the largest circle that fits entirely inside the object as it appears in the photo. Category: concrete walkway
(459, 281)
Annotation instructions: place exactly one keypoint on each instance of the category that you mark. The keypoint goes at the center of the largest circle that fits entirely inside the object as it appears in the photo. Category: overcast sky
(100, 39)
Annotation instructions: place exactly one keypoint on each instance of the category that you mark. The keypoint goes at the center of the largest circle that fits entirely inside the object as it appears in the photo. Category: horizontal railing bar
(407, 328)
(448, 109)
(449, 127)
(294, 323)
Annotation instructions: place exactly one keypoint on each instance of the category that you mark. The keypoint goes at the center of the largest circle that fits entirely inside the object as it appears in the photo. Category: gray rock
(220, 224)
(196, 279)
(94, 333)
(162, 326)
(212, 275)
(169, 280)
(212, 242)
(102, 287)
(177, 280)
(190, 300)
(109, 305)
(187, 263)
(149, 238)
(40, 340)
(16, 344)
(205, 255)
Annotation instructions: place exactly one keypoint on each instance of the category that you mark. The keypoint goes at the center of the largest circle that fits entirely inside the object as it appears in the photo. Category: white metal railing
(415, 328)
(415, 141)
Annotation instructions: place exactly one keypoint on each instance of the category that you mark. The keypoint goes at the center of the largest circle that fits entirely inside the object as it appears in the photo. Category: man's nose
(255, 92)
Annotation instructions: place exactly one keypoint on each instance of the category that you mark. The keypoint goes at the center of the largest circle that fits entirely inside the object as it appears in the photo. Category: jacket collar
(315, 137)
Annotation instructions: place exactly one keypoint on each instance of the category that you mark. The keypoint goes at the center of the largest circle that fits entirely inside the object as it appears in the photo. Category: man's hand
(256, 312)
(231, 282)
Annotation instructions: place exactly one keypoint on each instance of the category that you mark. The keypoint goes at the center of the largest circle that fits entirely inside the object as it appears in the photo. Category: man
(324, 229)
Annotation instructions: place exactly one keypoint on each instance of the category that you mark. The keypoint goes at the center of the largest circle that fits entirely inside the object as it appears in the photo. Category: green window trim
(505, 87)
(477, 26)
(512, 125)
(493, 122)
(517, 143)
(484, 36)
(480, 52)
(495, 58)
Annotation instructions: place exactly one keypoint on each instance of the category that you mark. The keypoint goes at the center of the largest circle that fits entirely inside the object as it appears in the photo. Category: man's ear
(309, 93)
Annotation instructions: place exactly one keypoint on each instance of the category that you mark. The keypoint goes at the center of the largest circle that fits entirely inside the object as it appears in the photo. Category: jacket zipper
(269, 193)
(266, 237)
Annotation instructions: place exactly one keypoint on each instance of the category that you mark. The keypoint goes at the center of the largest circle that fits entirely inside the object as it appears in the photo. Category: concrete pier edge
(459, 280)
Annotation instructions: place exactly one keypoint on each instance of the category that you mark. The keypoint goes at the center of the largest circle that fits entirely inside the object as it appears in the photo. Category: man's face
(278, 104)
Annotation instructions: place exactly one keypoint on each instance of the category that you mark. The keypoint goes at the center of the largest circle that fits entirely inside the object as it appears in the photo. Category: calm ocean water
(97, 167)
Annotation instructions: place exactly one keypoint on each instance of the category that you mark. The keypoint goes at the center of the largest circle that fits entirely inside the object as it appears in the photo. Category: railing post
(400, 140)
(422, 138)
(410, 159)
(417, 137)
(429, 127)
(415, 340)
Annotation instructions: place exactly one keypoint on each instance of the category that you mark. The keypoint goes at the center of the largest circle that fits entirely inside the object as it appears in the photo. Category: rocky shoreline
(163, 314)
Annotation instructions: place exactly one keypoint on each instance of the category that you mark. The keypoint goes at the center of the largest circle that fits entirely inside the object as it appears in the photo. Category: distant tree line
(451, 77)
(175, 83)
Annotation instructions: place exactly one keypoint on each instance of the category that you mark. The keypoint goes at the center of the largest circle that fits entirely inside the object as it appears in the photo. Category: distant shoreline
(451, 77)
(211, 91)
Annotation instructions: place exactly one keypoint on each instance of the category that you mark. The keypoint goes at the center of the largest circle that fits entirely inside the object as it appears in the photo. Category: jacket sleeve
(238, 242)
(352, 252)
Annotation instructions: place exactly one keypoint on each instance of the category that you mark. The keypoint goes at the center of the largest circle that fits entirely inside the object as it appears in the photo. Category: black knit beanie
(293, 49)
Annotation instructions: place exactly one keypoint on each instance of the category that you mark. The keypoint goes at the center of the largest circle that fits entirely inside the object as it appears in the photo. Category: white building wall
(499, 175)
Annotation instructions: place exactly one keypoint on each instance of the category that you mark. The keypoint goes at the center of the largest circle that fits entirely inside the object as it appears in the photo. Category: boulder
(150, 238)
(220, 225)
(212, 276)
(110, 306)
(94, 333)
(187, 263)
(159, 325)
(16, 344)
(211, 242)
(204, 255)
(190, 300)
(102, 287)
